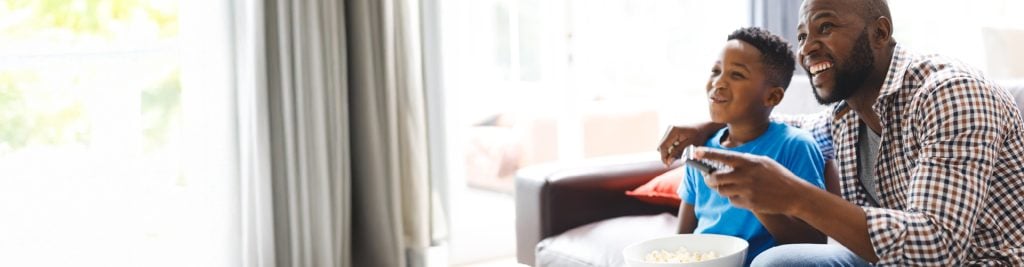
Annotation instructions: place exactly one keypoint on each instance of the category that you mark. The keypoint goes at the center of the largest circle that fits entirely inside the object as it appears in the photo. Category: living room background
(530, 82)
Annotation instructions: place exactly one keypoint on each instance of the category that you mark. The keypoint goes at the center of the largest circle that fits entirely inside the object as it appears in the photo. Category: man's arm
(677, 138)
(803, 121)
(837, 218)
(819, 124)
(962, 123)
(960, 126)
(832, 184)
(789, 230)
(762, 185)
(804, 159)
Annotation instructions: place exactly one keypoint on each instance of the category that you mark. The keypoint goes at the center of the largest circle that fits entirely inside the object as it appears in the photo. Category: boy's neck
(742, 133)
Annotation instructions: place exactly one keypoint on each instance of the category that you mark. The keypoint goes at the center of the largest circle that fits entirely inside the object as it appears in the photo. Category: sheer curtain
(345, 128)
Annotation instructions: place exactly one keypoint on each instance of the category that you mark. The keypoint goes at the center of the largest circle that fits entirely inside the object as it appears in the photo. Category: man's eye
(825, 27)
(801, 37)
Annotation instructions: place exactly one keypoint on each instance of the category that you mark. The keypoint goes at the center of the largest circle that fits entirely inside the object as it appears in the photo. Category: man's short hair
(778, 59)
(873, 9)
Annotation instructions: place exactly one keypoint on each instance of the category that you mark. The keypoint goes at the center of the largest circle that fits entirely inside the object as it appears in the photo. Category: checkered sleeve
(820, 126)
(959, 129)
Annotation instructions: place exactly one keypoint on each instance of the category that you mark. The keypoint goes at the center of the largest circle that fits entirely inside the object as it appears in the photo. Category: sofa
(578, 215)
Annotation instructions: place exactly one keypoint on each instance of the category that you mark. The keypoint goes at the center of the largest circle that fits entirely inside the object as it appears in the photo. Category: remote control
(705, 166)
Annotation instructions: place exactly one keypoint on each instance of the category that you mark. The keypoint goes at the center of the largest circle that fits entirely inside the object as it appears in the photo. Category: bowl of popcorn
(687, 250)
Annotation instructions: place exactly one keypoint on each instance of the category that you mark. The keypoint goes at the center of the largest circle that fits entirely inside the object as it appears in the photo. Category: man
(931, 154)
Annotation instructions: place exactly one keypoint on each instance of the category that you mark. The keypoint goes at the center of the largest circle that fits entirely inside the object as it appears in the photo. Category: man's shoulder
(931, 79)
(940, 88)
(929, 72)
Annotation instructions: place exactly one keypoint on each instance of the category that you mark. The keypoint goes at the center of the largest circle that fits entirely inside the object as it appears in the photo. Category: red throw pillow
(662, 189)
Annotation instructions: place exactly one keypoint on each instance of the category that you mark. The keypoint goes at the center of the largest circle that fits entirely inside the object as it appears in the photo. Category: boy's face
(738, 88)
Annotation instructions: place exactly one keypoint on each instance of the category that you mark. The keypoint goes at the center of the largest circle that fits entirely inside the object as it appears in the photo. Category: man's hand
(677, 138)
(763, 186)
(756, 183)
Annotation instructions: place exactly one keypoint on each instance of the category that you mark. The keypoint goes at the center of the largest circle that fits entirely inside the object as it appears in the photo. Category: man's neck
(866, 96)
(742, 133)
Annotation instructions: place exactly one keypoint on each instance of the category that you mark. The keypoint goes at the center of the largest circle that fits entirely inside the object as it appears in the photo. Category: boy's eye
(801, 37)
(715, 72)
(737, 75)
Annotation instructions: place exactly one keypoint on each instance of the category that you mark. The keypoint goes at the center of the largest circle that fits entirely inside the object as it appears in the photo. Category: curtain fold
(388, 134)
(347, 132)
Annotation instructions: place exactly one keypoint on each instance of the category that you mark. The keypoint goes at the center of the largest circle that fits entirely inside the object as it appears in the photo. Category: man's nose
(809, 46)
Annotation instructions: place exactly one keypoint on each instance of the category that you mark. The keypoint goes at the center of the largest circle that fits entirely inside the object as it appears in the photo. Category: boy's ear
(774, 96)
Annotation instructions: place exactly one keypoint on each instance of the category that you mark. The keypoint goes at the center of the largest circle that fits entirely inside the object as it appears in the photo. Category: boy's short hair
(775, 52)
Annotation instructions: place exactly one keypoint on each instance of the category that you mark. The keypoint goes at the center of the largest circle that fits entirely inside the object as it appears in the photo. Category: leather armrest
(553, 198)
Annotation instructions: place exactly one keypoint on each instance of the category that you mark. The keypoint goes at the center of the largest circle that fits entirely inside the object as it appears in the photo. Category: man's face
(737, 87)
(834, 49)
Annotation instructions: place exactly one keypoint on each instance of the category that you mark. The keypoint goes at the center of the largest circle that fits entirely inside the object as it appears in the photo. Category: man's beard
(851, 75)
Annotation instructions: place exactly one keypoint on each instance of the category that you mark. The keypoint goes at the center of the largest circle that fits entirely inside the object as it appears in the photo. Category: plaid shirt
(950, 165)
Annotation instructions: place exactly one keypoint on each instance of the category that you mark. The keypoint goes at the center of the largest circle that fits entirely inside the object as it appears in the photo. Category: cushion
(601, 243)
(1016, 90)
(662, 189)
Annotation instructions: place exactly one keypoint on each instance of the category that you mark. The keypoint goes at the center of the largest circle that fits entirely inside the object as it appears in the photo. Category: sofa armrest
(553, 198)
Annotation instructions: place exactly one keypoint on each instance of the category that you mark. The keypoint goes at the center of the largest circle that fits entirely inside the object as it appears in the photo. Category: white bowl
(731, 250)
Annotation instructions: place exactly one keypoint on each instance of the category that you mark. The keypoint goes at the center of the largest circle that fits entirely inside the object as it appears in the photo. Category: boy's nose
(717, 83)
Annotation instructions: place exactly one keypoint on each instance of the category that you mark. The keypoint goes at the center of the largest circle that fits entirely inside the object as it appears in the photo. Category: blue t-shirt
(793, 148)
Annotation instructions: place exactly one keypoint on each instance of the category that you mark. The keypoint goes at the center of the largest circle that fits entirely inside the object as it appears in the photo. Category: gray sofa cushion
(1016, 89)
(601, 243)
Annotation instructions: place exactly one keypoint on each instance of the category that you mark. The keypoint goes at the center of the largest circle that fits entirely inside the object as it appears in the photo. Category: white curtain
(346, 133)
(389, 164)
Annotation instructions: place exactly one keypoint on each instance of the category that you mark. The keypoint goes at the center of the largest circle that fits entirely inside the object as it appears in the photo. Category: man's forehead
(834, 5)
(812, 9)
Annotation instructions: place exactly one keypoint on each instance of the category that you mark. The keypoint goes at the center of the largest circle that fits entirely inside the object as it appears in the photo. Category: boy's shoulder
(792, 134)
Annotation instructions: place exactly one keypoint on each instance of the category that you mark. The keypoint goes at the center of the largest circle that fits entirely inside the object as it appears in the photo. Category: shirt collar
(897, 68)
(898, 64)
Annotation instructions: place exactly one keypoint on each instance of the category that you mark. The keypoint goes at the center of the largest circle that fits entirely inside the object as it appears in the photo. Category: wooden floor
(500, 262)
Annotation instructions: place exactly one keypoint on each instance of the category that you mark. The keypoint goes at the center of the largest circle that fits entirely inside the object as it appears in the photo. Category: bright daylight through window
(102, 136)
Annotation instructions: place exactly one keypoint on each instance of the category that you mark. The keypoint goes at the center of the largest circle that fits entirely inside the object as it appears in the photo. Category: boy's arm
(687, 219)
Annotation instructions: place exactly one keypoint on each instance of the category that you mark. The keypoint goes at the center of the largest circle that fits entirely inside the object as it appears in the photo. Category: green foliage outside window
(41, 107)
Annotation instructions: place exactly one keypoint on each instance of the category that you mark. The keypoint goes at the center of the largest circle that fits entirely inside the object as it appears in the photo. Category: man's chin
(824, 94)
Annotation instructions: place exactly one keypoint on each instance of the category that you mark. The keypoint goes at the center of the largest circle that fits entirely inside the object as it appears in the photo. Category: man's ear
(774, 96)
(882, 34)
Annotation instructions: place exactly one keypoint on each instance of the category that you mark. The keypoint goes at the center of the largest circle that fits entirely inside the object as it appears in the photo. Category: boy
(748, 80)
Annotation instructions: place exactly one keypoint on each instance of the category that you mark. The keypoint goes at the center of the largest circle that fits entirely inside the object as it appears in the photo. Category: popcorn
(681, 255)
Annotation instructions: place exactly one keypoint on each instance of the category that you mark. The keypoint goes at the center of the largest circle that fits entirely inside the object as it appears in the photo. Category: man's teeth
(818, 68)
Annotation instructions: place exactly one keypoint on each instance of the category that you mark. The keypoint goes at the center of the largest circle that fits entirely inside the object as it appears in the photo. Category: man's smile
(819, 73)
(820, 67)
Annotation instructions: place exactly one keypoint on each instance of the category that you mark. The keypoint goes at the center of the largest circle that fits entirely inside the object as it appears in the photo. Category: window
(984, 34)
(116, 134)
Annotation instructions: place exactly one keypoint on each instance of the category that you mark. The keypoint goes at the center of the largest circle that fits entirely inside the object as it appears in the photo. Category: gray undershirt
(867, 155)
